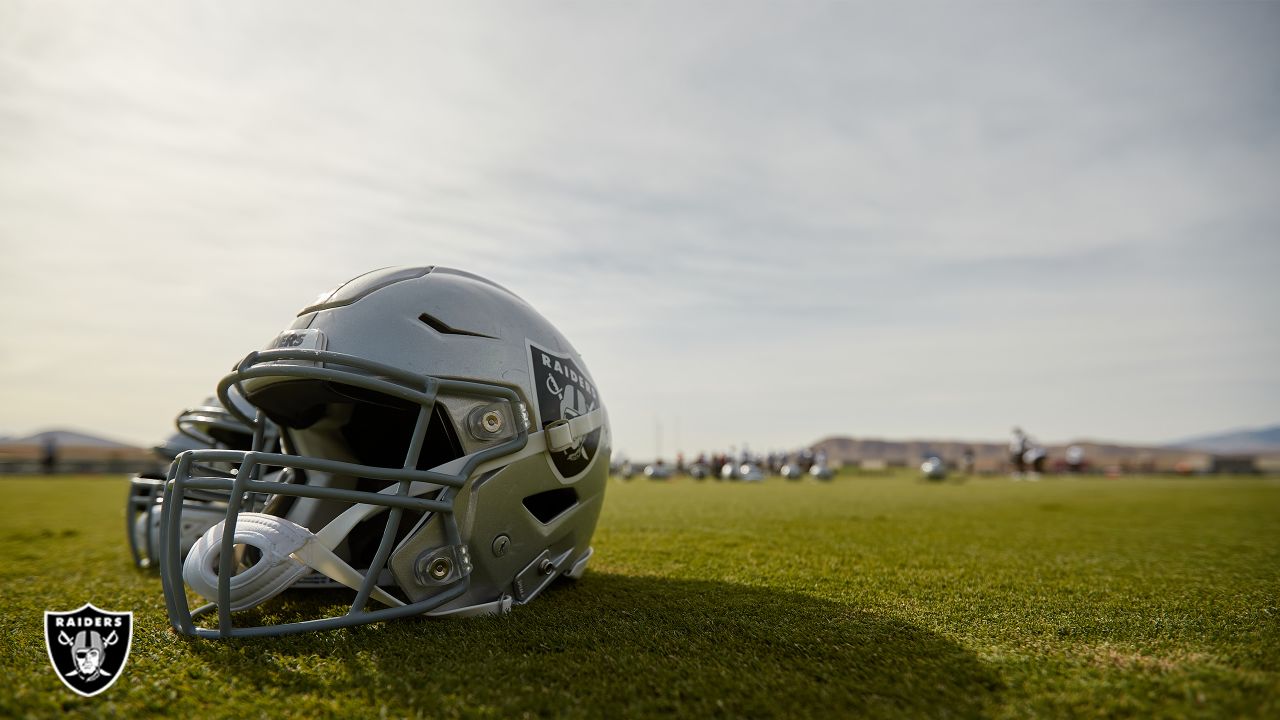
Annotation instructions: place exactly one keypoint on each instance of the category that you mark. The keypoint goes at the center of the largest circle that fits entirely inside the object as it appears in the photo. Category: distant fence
(30, 460)
(81, 467)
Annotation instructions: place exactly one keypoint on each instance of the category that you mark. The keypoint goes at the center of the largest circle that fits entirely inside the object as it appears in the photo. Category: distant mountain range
(1259, 440)
(64, 438)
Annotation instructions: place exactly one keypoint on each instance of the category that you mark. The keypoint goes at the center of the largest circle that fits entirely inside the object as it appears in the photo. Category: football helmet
(933, 468)
(208, 425)
(449, 452)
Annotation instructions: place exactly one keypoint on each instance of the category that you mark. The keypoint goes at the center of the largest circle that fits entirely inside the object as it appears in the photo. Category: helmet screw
(501, 545)
(547, 567)
(439, 568)
(491, 421)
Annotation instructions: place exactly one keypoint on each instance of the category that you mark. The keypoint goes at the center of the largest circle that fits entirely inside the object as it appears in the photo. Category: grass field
(876, 595)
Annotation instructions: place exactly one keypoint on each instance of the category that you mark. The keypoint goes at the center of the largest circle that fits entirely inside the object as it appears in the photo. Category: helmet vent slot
(444, 328)
(551, 504)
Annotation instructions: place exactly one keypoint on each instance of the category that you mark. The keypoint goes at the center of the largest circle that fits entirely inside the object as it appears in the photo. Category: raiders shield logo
(88, 647)
(563, 391)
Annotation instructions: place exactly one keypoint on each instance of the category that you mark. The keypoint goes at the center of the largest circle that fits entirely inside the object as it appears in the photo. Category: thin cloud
(761, 226)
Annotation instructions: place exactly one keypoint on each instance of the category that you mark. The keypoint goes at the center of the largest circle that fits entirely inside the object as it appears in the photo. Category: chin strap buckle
(566, 434)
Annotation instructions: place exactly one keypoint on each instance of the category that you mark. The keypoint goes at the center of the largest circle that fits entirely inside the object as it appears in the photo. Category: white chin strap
(290, 551)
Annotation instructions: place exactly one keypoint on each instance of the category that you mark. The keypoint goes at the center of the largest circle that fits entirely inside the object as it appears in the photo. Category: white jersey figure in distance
(208, 425)
(441, 463)
(1033, 460)
(1018, 447)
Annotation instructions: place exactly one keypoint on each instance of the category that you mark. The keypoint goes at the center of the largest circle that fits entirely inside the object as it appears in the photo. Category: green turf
(875, 595)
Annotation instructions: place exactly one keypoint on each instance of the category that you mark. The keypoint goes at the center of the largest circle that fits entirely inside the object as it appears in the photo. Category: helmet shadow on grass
(633, 645)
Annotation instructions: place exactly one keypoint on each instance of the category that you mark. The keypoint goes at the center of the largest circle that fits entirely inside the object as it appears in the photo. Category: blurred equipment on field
(934, 469)
(750, 472)
(657, 470)
(1076, 462)
(699, 469)
(820, 470)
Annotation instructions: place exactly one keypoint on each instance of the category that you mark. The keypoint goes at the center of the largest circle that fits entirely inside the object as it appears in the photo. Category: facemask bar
(307, 364)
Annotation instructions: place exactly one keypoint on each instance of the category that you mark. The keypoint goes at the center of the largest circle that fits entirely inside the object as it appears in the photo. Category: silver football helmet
(933, 468)
(208, 425)
(450, 454)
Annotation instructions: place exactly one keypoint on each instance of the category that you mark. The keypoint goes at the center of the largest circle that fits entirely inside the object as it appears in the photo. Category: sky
(760, 223)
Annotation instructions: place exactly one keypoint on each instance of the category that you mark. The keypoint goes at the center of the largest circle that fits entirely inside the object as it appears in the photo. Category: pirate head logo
(562, 392)
(88, 647)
